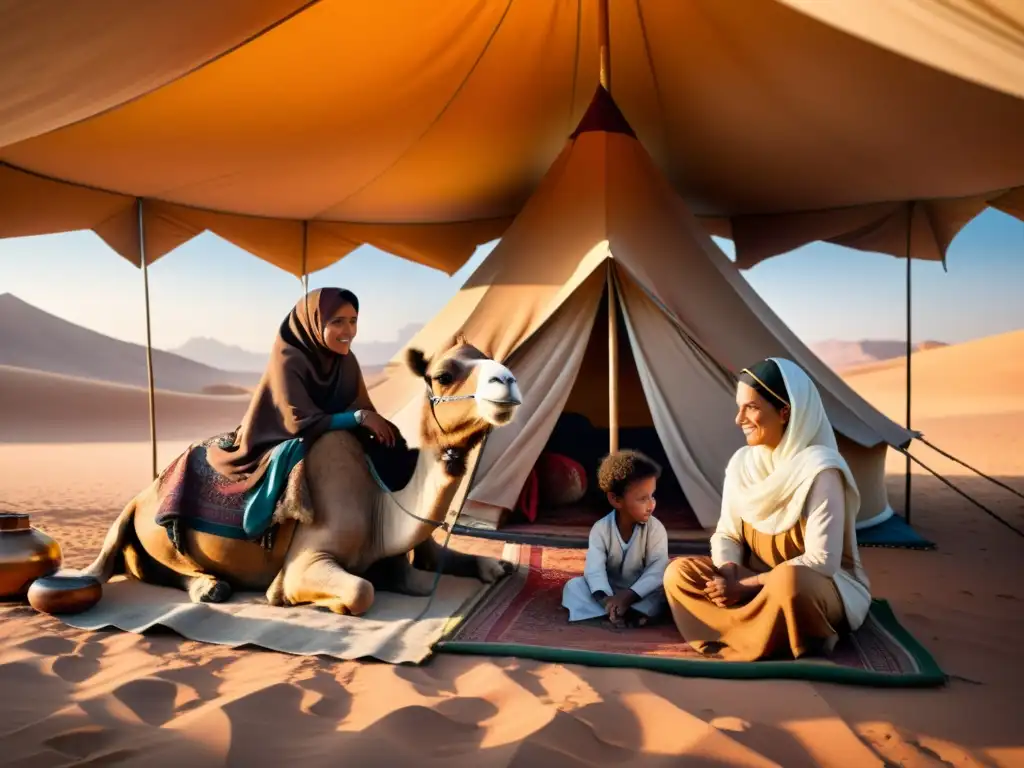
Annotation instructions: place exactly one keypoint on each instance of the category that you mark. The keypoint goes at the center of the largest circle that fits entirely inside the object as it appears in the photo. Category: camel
(357, 536)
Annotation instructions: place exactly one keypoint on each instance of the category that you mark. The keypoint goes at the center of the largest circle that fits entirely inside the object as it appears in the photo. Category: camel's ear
(456, 341)
(417, 362)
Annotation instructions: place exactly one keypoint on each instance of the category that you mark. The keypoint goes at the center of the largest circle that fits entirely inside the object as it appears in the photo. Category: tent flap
(1011, 202)
(32, 205)
(878, 228)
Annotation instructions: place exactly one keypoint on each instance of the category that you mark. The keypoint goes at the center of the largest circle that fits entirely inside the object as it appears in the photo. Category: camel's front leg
(397, 574)
(488, 569)
(316, 577)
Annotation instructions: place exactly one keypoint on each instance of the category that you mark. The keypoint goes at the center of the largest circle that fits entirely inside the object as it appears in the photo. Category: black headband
(767, 380)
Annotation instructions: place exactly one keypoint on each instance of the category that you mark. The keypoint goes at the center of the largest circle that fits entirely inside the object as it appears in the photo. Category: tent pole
(149, 338)
(604, 48)
(305, 274)
(910, 351)
(613, 363)
(613, 324)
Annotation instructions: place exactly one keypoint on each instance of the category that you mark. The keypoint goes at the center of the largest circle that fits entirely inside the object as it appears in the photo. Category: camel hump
(334, 450)
(336, 469)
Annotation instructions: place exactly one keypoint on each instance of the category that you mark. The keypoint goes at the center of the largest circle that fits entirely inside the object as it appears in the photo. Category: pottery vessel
(26, 554)
(64, 593)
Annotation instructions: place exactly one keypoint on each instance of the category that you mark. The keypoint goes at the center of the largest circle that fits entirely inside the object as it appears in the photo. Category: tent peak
(603, 114)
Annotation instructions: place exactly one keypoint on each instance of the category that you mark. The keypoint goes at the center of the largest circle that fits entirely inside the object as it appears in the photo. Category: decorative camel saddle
(193, 494)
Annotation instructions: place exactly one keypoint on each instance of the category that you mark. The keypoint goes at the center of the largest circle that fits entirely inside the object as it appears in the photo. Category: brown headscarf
(304, 385)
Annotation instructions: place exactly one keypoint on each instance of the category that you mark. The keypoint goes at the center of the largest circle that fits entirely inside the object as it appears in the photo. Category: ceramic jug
(26, 554)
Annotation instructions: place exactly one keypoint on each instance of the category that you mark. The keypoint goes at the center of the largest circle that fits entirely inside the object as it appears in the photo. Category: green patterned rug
(522, 616)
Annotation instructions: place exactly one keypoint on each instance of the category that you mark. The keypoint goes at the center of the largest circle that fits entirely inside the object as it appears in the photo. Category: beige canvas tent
(604, 219)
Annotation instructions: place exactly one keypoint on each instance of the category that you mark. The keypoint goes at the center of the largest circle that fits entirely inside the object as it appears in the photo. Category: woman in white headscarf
(784, 578)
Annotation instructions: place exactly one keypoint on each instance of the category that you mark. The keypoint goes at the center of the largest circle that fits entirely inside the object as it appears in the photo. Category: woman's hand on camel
(381, 428)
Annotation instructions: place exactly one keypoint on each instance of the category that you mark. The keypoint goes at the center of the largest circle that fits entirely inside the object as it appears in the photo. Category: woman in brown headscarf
(312, 384)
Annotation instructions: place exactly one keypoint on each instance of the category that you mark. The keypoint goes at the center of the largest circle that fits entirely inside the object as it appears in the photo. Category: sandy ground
(69, 697)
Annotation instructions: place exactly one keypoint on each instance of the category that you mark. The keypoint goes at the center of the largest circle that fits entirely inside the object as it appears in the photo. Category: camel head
(467, 394)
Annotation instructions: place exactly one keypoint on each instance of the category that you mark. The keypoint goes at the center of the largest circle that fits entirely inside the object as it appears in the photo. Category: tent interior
(582, 434)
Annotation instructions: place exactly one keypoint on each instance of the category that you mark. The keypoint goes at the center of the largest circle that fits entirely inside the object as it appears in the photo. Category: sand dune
(841, 355)
(39, 341)
(47, 408)
(74, 697)
(977, 377)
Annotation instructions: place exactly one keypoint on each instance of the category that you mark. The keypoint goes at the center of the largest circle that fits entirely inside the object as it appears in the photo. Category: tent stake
(149, 339)
(910, 351)
(613, 364)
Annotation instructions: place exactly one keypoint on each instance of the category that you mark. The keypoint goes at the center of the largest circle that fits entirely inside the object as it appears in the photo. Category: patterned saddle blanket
(194, 494)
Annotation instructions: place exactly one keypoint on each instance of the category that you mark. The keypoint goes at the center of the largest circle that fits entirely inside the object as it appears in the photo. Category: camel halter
(433, 400)
(437, 399)
(443, 524)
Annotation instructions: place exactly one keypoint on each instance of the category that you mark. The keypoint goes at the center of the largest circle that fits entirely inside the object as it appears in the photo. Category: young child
(628, 551)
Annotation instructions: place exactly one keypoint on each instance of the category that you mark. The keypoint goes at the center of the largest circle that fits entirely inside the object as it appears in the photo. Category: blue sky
(208, 287)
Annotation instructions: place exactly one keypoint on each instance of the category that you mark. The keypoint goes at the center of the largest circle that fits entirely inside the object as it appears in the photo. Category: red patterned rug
(523, 616)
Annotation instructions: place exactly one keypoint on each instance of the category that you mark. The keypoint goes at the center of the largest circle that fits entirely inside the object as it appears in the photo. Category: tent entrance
(582, 434)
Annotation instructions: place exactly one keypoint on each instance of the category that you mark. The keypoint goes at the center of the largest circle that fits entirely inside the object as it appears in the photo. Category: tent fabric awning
(784, 120)
(34, 205)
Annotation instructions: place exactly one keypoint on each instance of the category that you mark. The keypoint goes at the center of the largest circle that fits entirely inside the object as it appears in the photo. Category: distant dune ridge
(40, 407)
(36, 340)
(61, 382)
(373, 355)
(217, 354)
(840, 355)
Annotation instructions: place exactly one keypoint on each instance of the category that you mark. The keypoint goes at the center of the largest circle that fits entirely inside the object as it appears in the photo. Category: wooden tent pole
(604, 47)
(149, 338)
(605, 74)
(613, 363)
(305, 273)
(910, 351)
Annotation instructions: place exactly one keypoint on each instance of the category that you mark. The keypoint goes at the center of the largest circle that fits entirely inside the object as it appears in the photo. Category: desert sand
(109, 698)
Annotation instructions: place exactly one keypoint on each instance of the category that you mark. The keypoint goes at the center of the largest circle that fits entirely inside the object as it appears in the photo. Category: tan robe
(798, 610)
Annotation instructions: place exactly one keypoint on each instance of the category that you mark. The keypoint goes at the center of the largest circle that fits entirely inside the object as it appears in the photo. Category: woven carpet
(523, 616)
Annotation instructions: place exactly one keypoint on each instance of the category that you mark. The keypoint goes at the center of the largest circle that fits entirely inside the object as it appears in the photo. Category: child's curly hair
(623, 468)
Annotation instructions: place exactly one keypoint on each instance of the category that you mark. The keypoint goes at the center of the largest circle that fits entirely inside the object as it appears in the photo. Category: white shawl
(768, 488)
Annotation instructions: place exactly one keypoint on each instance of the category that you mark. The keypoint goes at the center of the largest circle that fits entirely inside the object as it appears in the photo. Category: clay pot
(25, 554)
(64, 593)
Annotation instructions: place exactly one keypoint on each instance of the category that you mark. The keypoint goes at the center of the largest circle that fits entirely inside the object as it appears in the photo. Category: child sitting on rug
(628, 551)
